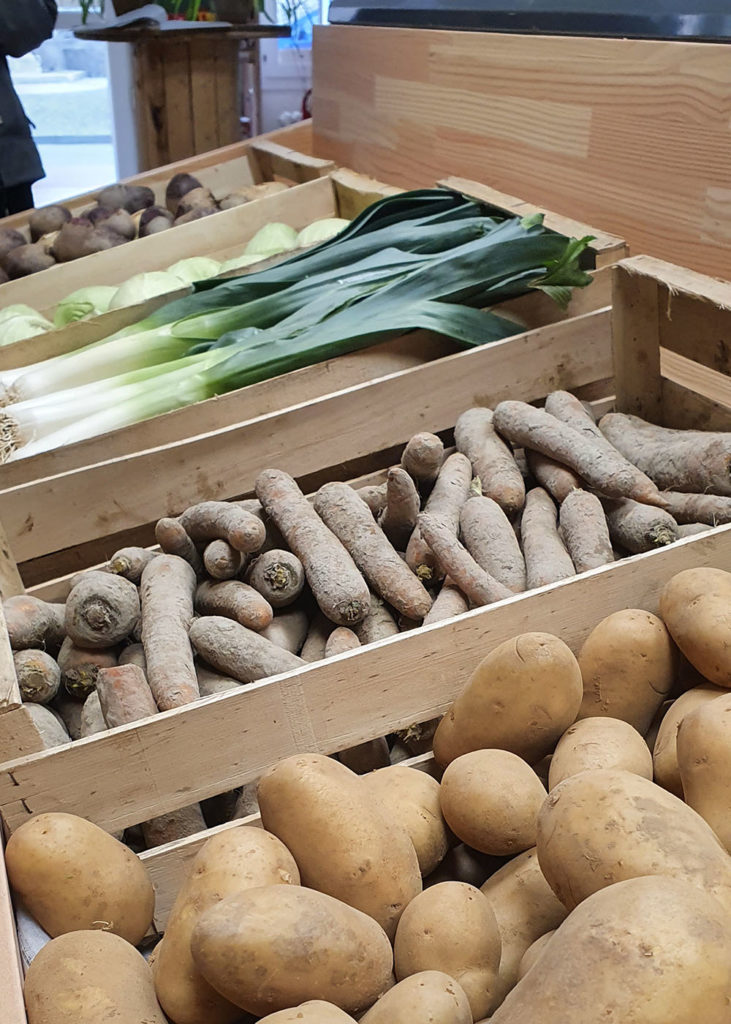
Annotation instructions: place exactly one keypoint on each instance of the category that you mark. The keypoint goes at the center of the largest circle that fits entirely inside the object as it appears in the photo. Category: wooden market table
(187, 85)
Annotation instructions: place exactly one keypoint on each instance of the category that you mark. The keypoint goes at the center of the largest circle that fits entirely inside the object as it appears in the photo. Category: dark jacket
(24, 24)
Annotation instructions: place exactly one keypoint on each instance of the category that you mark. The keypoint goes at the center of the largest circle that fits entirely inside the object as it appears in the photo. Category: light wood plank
(300, 440)
(141, 770)
(685, 409)
(10, 698)
(273, 161)
(635, 343)
(204, 53)
(11, 971)
(169, 865)
(356, 191)
(18, 734)
(629, 135)
(696, 377)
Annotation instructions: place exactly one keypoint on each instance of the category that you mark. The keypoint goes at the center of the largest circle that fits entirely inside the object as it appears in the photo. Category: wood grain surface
(633, 136)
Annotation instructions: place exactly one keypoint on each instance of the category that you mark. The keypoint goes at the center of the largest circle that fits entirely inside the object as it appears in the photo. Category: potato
(650, 950)
(525, 908)
(652, 833)
(704, 760)
(451, 927)
(409, 797)
(532, 953)
(628, 666)
(336, 832)
(429, 996)
(599, 743)
(313, 1012)
(86, 977)
(520, 698)
(491, 800)
(230, 862)
(72, 875)
(665, 751)
(696, 607)
(271, 948)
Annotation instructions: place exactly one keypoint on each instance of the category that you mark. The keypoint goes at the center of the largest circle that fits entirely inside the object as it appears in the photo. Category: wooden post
(636, 344)
(187, 96)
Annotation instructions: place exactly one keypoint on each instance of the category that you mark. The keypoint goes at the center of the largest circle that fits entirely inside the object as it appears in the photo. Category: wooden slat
(10, 698)
(18, 734)
(135, 772)
(152, 124)
(204, 53)
(228, 99)
(606, 248)
(629, 135)
(11, 971)
(697, 377)
(74, 507)
(635, 342)
(273, 161)
(685, 409)
(169, 865)
(250, 402)
(355, 192)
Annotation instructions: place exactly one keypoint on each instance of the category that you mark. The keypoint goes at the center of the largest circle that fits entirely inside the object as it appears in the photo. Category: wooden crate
(89, 514)
(341, 192)
(630, 134)
(231, 738)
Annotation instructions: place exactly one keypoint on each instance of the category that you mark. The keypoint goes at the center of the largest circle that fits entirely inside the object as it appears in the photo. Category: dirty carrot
(374, 495)
(422, 458)
(38, 675)
(712, 509)
(279, 577)
(223, 520)
(479, 586)
(92, 719)
(172, 537)
(341, 640)
(238, 652)
(677, 460)
(211, 682)
(637, 527)
(402, 508)
(351, 521)
(124, 695)
(80, 667)
(492, 460)
(490, 539)
(337, 585)
(584, 531)
(546, 557)
(604, 469)
(129, 562)
(167, 588)
(221, 561)
(288, 629)
(29, 622)
(378, 624)
(235, 600)
(572, 411)
(133, 654)
(558, 480)
(101, 610)
(450, 601)
(445, 502)
(175, 825)
(319, 630)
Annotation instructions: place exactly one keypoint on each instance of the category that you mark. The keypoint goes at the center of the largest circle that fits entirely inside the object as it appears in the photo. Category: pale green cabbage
(320, 231)
(89, 301)
(272, 239)
(18, 328)
(144, 286)
(238, 262)
(196, 268)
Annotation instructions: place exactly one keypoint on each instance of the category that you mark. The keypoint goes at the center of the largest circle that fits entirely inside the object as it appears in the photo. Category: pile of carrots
(243, 590)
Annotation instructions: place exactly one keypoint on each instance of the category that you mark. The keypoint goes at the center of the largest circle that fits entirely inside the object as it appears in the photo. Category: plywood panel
(633, 136)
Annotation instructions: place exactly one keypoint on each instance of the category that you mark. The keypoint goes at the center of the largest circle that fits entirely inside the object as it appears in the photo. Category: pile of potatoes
(121, 214)
(546, 879)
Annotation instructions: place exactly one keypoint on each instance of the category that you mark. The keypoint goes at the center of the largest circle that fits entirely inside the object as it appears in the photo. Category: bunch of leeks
(426, 259)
